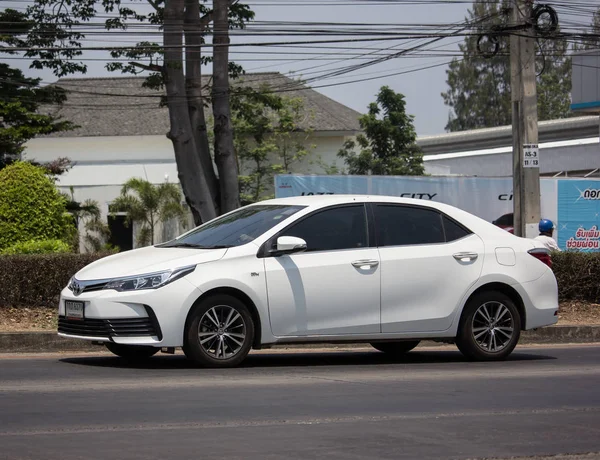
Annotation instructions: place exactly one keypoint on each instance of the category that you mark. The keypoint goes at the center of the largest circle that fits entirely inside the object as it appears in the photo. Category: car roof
(314, 202)
(318, 201)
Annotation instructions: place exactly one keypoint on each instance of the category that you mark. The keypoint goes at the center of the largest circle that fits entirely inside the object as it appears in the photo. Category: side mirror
(289, 245)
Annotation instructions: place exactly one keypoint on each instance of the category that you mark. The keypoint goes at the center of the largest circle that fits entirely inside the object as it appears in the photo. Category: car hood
(146, 260)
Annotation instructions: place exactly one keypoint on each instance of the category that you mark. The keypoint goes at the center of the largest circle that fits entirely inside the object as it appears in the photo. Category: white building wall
(154, 149)
(572, 155)
(115, 149)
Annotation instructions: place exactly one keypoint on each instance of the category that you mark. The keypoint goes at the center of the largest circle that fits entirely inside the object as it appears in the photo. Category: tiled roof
(121, 106)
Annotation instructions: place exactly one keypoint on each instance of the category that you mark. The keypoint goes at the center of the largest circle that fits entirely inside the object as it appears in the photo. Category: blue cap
(546, 225)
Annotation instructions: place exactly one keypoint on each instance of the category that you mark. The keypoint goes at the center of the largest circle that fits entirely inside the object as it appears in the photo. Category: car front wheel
(490, 327)
(132, 352)
(219, 332)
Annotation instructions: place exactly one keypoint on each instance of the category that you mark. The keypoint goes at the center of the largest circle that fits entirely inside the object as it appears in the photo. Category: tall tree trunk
(224, 151)
(189, 168)
(193, 29)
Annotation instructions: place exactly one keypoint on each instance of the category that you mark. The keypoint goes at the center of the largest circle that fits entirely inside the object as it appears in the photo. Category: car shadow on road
(303, 359)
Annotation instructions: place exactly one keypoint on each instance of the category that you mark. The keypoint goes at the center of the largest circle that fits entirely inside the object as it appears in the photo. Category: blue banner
(578, 214)
(488, 198)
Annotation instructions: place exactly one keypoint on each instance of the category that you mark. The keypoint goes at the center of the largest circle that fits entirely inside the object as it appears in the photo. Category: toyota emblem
(76, 287)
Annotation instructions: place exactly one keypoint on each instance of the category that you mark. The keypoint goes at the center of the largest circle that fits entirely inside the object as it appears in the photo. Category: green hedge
(36, 280)
(578, 275)
(37, 247)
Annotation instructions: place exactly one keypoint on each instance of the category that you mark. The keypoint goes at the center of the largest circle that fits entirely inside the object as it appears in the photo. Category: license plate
(73, 310)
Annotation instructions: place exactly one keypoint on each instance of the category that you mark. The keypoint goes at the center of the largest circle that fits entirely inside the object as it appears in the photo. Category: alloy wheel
(493, 326)
(222, 332)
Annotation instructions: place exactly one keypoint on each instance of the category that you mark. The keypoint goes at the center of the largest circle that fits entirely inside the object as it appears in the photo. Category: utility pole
(526, 172)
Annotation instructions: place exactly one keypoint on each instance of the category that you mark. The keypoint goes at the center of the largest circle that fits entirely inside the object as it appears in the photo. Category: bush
(37, 247)
(578, 275)
(31, 208)
(35, 280)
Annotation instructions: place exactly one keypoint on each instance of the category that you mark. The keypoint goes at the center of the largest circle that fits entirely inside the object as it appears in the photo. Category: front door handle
(465, 256)
(367, 263)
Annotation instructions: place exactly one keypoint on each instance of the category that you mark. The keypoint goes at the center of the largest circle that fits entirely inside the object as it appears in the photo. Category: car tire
(396, 348)
(132, 352)
(489, 328)
(219, 332)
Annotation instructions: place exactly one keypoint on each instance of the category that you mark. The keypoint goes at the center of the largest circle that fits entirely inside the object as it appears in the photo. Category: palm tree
(149, 204)
(89, 213)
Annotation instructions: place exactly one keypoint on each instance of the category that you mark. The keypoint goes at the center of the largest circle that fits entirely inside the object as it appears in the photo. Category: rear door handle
(367, 263)
(465, 256)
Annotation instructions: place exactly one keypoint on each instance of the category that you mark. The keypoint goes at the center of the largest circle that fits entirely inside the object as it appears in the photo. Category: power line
(409, 33)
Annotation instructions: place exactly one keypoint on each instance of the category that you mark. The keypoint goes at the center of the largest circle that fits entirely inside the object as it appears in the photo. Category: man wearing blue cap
(546, 227)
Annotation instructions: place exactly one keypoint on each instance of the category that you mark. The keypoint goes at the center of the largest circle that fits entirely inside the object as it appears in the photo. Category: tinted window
(453, 230)
(237, 228)
(402, 225)
(337, 228)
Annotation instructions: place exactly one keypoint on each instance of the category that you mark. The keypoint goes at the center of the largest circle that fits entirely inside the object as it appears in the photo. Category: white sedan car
(381, 270)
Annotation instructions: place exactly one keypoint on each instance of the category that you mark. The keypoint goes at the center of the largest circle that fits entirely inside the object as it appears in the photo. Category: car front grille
(121, 327)
(94, 287)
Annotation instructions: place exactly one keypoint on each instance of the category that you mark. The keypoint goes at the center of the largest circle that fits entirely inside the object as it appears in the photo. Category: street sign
(531, 156)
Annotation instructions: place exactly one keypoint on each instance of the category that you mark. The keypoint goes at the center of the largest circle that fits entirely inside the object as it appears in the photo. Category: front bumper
(154, 317)
(111, 328)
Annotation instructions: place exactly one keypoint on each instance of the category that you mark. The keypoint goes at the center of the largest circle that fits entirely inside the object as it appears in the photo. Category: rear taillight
(542, 255)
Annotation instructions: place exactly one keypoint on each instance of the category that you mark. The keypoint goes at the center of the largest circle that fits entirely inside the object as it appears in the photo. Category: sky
(422, 86)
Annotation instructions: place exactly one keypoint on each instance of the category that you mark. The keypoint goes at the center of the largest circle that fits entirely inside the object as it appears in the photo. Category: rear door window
(407, 225)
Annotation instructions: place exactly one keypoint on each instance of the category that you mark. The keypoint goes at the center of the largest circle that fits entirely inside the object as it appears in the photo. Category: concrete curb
(50, 342)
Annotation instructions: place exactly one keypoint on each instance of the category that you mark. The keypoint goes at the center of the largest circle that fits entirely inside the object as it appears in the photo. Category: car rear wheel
(490, 327)
(396, 348)
(219, 332)
(132, 352)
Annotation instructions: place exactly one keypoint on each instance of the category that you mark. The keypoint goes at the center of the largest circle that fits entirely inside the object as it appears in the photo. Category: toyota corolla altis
(372, 269)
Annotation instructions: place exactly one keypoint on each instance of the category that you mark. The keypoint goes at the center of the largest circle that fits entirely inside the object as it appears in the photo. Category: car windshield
(235, 229)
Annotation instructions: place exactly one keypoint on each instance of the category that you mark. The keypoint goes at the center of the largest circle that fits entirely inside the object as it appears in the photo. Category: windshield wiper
(197, 246)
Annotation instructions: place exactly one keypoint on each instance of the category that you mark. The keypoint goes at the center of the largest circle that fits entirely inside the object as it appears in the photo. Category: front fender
(247, 276)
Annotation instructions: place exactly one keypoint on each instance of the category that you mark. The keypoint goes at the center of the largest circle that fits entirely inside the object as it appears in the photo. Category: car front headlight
(148, 281)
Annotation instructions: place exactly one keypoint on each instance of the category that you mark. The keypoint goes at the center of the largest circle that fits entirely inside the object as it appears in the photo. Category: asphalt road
(283, 405)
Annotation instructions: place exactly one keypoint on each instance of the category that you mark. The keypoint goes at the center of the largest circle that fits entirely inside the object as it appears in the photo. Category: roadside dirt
(579, 313)
(28, 319)
(45, 319)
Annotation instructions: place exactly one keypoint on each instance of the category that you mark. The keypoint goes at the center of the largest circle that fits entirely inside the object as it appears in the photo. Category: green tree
(20, 97)
(388, 145)
(58, 34)
(291, 141)
(479, 92)
(31, 208)
(270, 138)
(591, 38)
(149, 204)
